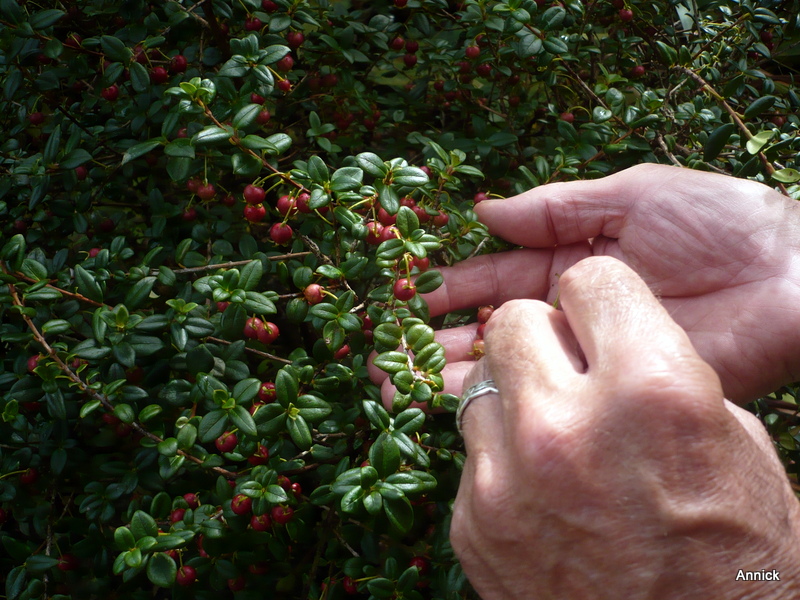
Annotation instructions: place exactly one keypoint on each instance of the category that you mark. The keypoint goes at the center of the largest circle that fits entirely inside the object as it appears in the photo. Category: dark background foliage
(152, 304)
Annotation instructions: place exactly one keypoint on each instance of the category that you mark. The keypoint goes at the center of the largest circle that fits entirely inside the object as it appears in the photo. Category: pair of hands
(611, 465)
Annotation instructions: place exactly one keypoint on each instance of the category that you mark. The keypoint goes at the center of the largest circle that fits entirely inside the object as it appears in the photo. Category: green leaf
(372, 164)
(124, 538)
(258, 303)
(410, 176)
(400, 513)
(272, 54)
(34, 269)
(45, 18)
(384, 455)
(409, 421)
(180, 147)
(758, 141)
(346, 178)
(391, 362)
(139, 150)
(140, 78)
(75, 158)
(299, 432)
(552, 18)
(87, 284)
(429, 281)
(213, 425)
(380, 587)
(787, 175)
(250, 275)
(246, 116)
(318, 170)
(56, 326)
(140, 290)
(115, 49)
(161, 570)
(717, 140)
(242, 418)
(142, 524)
(407, 221)
(211, 135)
(759, 106)
(376, 414)
(286, 387)
(39, 563)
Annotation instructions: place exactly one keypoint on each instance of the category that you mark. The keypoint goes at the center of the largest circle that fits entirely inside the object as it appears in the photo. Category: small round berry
(36, 118)
(253, 327)
(255, 214)
(314, 293)
(637, 71)
(260, 456)
(254, 194)
(282, 514)
(625, 15)
(280, 233)
(260, 522)
(397, 43)
(374, 231)
(110, 93)
(285, 64)
(484, 312)
(269, 334)
(263, 117)
(192, 500)
(226, 442)
(207, 191)
(252, 24)
(412, 46)
(441, 219)
(285, 85)
(472, 52)
(68, 562)
(159, 75)
(178, 63)
(410, 60)
(241, 504)
(567, 116)
(186, 576)
(267, 392)
(177, 515)
(404, 289)
(295, 39)
(286, 205)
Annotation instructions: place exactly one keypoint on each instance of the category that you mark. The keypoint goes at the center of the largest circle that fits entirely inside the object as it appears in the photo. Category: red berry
(285, 205)
(285, 64)
(267, 393)
(73, 41)
(192, 500)
(226, 442)
(237, 584)
(193, 185)
(472, 52)
(260, 456)
(178, 63)
(410, 60)
(186, 576)
(280, 233)
(350, 587)
(107, 225)
(254, 194)
(159, 75)
(385, 218)
(222, 306)
(81, 172)
(400, 3)
(314, 293)
(397, 43)
(374, 231)
(253, 327)
(182, 133)
(302, 202)
(422, 564)
(68, 562)
(263, 117)
(177, 515)
(567, 116)
(409, 202)
(389, 233)
(255, 214)
(282, 514)
(285, 482)
(228, 200)
(404, 289)
(285, 85)
(252, 24)
(241, 504)
(478, 349)
(269, 6)
(637, 71)
(484, 70)
(260, 522)
(480, 197)
(480, 331)
(29, 476)
(269, 334)
(765, 35)
(484, 312)
(257, 99)
(330, 80)
(412, 46)
(33, 361)
(295, 39)
(421, 263)
(342, 352)
(296, 488)
(422, 214)
(110, 93)
(206, 191)
(36, 118)
(189, 215)
(625, 15)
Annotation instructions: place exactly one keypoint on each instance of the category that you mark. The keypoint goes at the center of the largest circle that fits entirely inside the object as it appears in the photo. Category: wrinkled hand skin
(720, 253)
(610, 466)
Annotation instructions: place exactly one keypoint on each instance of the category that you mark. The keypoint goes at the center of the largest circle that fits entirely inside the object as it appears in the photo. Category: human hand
(610, 466)
(721, 254)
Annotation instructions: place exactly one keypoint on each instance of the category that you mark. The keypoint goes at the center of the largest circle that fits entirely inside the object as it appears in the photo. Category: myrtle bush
(216, 213)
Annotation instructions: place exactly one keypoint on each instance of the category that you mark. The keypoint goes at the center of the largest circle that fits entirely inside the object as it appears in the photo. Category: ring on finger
(476, 391)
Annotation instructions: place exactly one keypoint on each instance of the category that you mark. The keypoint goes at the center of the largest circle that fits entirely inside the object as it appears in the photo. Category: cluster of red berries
(263, 331)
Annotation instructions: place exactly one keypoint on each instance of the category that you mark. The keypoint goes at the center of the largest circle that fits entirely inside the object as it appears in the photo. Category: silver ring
(475, 391)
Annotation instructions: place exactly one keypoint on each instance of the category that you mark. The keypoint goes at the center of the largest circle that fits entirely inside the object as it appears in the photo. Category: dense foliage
(212, 212)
